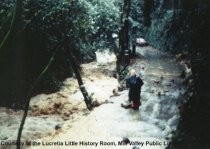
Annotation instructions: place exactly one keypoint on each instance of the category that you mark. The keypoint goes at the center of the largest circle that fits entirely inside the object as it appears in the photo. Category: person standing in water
(134, 83)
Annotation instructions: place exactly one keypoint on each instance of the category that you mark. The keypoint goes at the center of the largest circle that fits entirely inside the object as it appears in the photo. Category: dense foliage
(44, 26)
(184, 27)
(194, 127)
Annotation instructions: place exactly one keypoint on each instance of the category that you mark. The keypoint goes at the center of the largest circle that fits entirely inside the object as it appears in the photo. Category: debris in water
(57, 127)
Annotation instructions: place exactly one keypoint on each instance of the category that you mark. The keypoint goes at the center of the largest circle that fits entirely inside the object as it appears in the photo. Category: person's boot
(135, 105)
(126, 106)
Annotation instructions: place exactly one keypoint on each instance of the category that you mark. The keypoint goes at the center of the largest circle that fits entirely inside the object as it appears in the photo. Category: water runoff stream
(151, 127)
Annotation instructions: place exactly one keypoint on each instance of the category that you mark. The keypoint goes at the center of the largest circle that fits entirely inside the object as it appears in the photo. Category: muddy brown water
(151, 126)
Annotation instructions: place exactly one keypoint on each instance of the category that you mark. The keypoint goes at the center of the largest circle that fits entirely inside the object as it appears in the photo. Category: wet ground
(150, 127)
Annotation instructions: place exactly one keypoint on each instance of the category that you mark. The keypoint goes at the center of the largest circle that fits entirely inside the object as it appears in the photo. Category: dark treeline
(39, 28)
(182, 26)
(194, 125)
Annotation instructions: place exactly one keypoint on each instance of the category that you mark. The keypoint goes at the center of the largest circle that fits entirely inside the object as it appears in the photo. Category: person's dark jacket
(134, 83)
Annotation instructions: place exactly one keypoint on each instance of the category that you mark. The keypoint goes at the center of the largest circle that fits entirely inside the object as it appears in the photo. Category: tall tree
(123, 58)
(124, 31)
(28, 98)
(75, 67)
(148, 6)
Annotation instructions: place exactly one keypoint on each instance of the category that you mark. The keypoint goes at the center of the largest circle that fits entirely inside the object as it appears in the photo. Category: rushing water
(149, 127)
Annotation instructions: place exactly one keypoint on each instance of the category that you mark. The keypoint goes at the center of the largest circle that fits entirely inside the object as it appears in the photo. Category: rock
(121, 88)
(115, 93)
(172, 80)
(58, 126)
(166, 91)
(157, 82)
(115, 75)
(96, 103)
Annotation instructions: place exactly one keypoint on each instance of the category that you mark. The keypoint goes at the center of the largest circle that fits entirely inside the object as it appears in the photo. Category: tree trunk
(28, 98)
(124, 31)
(75, 67)
(133, 50)
(148, 6)
(123, 58)
(9, 35)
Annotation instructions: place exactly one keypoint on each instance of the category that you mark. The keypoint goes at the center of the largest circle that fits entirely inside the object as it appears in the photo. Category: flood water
(152, 126)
